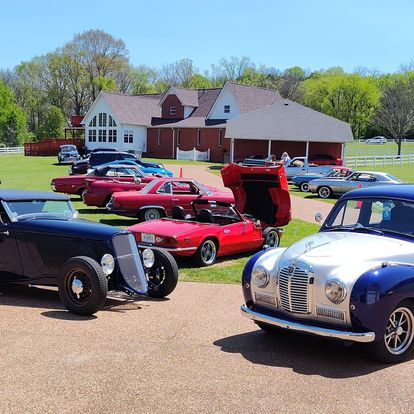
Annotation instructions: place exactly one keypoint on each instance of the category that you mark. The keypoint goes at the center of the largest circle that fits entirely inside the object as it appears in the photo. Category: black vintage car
(43, 242)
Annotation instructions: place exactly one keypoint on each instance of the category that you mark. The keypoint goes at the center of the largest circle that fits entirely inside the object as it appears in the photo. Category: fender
(377, 293)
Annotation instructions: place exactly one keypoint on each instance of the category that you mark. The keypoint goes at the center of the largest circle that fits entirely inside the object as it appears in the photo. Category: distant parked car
(302, 181)
(376, 140)
(68, 153)
(148, 167)
(325, 159)
(325, 187)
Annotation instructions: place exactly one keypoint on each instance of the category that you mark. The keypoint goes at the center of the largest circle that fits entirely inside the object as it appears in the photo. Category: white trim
(269, 148)
(231, 149)
(307, 150)
(93, 106)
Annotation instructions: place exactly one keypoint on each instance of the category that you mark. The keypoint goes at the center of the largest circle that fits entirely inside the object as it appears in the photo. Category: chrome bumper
(170, 249)
(363, 337)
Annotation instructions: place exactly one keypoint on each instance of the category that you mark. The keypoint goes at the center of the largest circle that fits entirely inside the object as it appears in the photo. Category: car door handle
(6, 233)
(175, 199)
(227, 231)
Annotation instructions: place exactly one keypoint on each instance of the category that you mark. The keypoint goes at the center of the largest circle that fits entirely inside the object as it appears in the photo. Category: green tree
(52, 124)
(199, 82)
(143, 80)
(12, 118)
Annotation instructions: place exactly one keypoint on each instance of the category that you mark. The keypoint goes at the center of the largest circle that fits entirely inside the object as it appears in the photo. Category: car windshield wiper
(356, 227)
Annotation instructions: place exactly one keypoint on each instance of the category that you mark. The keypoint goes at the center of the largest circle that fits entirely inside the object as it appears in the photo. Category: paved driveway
(193, 353)
(303, 209)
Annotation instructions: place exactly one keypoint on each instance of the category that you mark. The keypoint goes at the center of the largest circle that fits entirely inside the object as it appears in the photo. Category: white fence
(193, 154)
(379, 160)
(11, 150)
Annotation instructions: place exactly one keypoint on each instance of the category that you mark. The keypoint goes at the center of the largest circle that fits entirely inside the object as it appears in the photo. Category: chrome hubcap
(208, 252)
(324, 192)
(77, 287)
(271, 239)
(151, 215)
(399, 332)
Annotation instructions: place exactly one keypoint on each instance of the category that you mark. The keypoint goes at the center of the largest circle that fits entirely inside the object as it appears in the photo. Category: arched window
(101, 128)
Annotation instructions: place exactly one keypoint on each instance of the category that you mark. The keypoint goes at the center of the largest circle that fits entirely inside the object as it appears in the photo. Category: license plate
(148, 238)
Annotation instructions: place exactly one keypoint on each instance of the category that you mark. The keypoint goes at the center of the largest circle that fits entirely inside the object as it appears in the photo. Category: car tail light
(166, 240)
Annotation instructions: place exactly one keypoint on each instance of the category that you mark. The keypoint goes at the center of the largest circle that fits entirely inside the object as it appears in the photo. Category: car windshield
(24, 209)
(378, 215)
(68, 148)
(203, 188)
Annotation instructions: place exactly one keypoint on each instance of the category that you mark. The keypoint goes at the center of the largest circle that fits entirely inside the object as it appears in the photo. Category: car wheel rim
(399, 332)
(304, 187)
(156, 276)
(151, 215)
(324, 192)
(78, 287)
(208, 252)
(271, 239)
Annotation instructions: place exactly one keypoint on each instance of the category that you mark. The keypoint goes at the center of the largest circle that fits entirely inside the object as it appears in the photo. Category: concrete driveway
(303, 209)
(193, 353)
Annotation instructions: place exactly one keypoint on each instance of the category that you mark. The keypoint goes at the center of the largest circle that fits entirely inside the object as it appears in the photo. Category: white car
(376, 140)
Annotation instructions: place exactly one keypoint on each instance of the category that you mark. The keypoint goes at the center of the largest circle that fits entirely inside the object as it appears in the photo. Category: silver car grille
(330, 313)
(129, 262)
(294, 289)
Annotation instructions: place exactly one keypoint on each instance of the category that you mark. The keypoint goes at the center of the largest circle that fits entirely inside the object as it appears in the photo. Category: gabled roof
(133, 109)
(288, 121)
(187, 97)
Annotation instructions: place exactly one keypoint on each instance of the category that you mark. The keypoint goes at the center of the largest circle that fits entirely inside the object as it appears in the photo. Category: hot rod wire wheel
(206, 254)
(150, 214)
(163, 275)
(270, 237)
(324, 192)
(304, 187)
(83, 286)
(397, 343)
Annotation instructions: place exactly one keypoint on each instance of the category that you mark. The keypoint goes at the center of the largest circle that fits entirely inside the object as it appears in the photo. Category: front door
(10, 262)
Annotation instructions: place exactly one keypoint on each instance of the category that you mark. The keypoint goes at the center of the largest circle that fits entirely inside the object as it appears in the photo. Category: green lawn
(36, 173)
(390, 148)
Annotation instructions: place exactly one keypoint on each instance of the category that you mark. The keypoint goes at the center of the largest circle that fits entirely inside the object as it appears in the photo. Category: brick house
(156, 125)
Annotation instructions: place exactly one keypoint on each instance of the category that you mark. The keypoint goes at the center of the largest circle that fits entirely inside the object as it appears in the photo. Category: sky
(312, 34)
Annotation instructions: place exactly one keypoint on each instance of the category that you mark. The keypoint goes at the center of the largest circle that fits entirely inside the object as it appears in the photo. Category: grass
(36, 173)
(390, 148)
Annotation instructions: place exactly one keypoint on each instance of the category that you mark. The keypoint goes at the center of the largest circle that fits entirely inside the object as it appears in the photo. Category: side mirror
(137, 180)
(318, 217)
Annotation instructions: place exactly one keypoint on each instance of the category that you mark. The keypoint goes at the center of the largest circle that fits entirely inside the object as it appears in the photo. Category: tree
(230, 69)
(52, 124)
(199, 82)
(12, 118)
(395, 114)
(290, 83)
(143, 80)
(178, 73)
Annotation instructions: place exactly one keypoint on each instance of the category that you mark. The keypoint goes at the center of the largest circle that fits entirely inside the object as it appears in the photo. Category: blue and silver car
(68, 153)
(43, 242)
(353, 280)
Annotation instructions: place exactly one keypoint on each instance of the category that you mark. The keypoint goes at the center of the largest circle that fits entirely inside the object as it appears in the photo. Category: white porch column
(307, 150)
(231, 149)
(343, 154)
(269, 148)
(173, 141)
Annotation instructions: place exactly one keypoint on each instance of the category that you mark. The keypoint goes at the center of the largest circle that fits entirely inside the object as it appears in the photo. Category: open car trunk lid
(262, 192)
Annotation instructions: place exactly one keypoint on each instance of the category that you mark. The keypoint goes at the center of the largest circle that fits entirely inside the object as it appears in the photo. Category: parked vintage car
(76, 184)
(217, 228)
(43, 242)
(68, 153)
(157, 198)
(326, 187)
(353, 281)
(302, 181)
(149, 168)
(376, 140)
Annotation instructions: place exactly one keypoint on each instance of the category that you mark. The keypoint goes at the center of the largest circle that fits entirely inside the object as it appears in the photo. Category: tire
(206, 253)
(271, 237)
(324, 192)
(304, 187)
(85, 275)
(397, 344)
(150, 214)
(80, 192)
(59, 162)
(163, 275)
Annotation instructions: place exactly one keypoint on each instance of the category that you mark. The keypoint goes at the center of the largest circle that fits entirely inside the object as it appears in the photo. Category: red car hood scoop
(262, 192)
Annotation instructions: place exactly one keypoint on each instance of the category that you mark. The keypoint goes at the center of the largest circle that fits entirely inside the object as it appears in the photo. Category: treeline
(37, 97)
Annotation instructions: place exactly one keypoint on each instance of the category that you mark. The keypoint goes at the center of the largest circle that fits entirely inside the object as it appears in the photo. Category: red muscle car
(218, 228)
(157, 198)
(76, 184)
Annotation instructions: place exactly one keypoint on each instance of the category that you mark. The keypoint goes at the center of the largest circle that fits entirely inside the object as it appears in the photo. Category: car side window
(165, 188)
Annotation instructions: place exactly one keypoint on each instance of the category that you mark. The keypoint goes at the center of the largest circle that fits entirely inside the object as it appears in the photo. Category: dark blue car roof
(401, 191)
(20, 195)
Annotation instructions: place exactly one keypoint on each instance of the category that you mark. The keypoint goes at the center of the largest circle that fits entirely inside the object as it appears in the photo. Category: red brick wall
(172, 100)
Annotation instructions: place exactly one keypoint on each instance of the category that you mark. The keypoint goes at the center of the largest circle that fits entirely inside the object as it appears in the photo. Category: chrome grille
(293, 289)
(330, 313)
(129, 262)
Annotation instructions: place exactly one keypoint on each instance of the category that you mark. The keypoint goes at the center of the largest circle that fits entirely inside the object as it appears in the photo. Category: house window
(226, 109)
(93, 122)
(102, 119)
(159, 136)
(178, 137)
(112, 135)
(92, 135)
(102, 135)
(128, 136)
(198, 137)
(220, 138)
(112, 122)
(172, 110)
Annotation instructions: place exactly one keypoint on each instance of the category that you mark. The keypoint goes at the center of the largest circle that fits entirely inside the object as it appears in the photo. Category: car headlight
(260, 277)
(335, 291)
(108, 263)
(148, 258)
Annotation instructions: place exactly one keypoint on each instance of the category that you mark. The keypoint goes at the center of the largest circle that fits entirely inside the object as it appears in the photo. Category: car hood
(267, 184)
(68, 228)
(69, 178)
(165, 227)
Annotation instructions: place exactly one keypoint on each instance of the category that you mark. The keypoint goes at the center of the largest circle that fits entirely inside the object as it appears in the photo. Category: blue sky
(313, 34)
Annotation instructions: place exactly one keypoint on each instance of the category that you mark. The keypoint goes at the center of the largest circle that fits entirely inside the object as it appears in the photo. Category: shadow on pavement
(304, 354)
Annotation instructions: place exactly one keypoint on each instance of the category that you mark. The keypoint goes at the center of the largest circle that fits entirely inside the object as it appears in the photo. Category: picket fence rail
(378, 160)
(11, 150)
